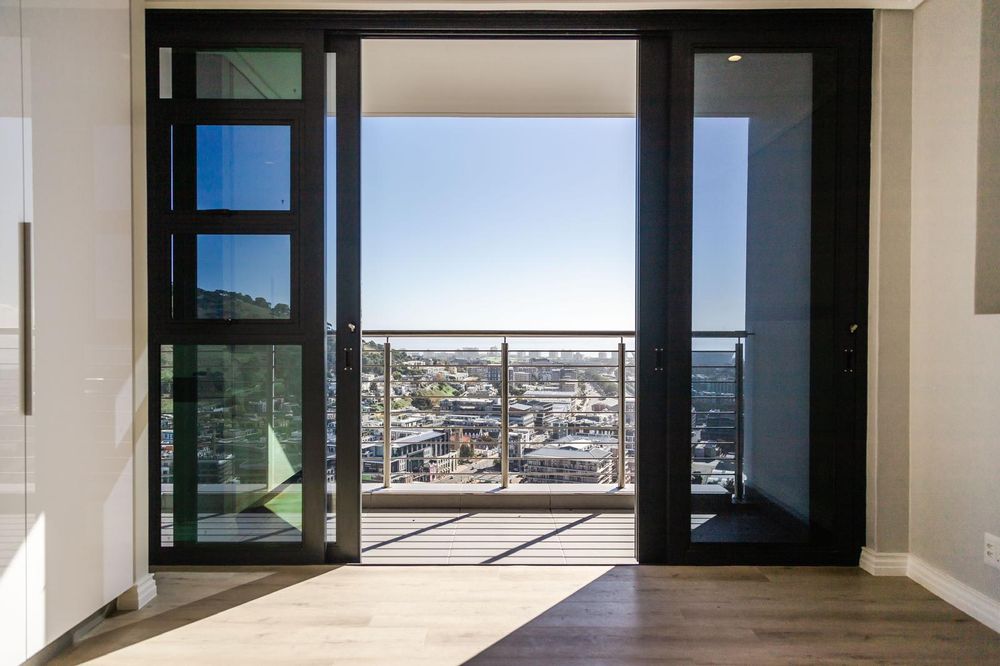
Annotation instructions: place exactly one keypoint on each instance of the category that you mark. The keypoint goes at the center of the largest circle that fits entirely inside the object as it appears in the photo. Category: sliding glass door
(771, 444)
(750, 273)
(237, 337)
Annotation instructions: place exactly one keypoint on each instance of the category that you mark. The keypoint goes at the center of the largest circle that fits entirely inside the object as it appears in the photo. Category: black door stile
(311, 296)
(347, 547)
(655, 257)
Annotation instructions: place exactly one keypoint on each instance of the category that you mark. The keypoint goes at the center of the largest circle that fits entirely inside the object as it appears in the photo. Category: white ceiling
(498, 77)
(494, 5)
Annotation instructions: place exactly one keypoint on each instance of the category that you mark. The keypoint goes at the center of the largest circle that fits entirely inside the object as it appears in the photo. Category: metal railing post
(504, 395)
(738, 487)
(387, 416)
(621, 414)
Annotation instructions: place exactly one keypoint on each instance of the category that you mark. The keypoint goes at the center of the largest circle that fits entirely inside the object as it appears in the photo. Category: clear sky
(254, 264)
(529, 223)
(497, 223)
(505, 223)
(244, 167)
(719, 210)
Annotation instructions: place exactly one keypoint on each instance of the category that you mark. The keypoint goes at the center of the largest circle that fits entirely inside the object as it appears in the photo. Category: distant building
(571, 460)
(413, 453)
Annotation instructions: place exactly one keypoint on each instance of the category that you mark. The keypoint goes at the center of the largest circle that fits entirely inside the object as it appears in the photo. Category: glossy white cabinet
(79, 437)
(66, 520)
(13, 555)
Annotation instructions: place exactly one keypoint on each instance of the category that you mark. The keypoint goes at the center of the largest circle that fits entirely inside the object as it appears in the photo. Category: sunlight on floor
(413, 615)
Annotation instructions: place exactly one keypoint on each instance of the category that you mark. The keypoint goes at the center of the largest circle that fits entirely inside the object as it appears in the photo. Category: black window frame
(667, 41)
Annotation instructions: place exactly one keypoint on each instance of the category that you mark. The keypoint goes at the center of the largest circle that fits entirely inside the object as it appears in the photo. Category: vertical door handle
(658, 363)
(347, 359)
(848, 359)
(26, 322)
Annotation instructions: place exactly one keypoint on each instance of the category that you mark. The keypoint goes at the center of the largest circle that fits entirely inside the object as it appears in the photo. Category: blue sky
(254, 264)
(530, 222)
(244, 167)
(507, 223)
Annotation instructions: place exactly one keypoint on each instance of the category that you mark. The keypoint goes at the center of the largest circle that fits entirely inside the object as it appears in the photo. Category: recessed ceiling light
(734, 58)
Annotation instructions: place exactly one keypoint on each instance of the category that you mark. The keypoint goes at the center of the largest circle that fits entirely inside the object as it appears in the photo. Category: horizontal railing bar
(378, 459)
(514, 352)
(719, 334)
(438, 351)
(397, 482)
(379, 382)
(476, 333)
(529, 333)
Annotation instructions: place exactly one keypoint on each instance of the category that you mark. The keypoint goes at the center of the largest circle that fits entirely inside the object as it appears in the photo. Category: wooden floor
(537, 614)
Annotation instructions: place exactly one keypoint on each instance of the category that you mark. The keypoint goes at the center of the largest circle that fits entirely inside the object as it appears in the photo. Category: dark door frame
(666, 43)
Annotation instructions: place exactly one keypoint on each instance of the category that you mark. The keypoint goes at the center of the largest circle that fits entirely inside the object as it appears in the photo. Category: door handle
(347, 359)
(658, 363)
(26, 320)
(848, 359)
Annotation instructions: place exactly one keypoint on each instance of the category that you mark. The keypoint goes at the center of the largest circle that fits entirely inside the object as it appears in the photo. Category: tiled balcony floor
(498, 537)
(452, 537)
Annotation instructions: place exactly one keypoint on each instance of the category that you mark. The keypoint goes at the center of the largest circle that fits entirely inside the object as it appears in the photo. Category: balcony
(477, 421)
(531, 419)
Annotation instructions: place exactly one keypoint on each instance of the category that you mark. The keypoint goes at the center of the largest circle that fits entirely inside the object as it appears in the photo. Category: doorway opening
(498, 290)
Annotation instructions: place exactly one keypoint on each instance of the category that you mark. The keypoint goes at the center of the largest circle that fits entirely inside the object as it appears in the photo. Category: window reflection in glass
(243, 276)
(243, 167)
(231, 443)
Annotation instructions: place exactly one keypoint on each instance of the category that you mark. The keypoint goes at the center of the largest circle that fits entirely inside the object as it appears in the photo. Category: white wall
(954, 354)
(406, 77)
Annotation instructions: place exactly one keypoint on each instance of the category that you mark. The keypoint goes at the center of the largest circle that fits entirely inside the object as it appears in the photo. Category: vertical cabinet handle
(347, 358)
(26, 323)
(658, 364)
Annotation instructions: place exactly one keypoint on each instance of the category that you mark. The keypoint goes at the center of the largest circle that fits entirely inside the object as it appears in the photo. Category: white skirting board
(883, 564)
(958, 594)
(139, 594)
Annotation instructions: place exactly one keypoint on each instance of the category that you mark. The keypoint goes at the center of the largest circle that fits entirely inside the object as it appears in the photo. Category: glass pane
(750, 391)
(238, 277)
(245, 73)
(231, 443)
(243, 167)
(330, 215)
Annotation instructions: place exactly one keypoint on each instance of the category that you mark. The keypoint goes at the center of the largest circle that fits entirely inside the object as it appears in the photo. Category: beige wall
(988, 228)
(889, 284)
(954, 354)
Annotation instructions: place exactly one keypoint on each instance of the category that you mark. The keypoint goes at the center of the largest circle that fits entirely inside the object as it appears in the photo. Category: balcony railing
(717, 407)
(521, 407)
(500, 407)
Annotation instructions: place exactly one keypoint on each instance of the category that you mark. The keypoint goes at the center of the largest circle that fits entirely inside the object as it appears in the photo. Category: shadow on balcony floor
(498, 537)
(747, 523)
